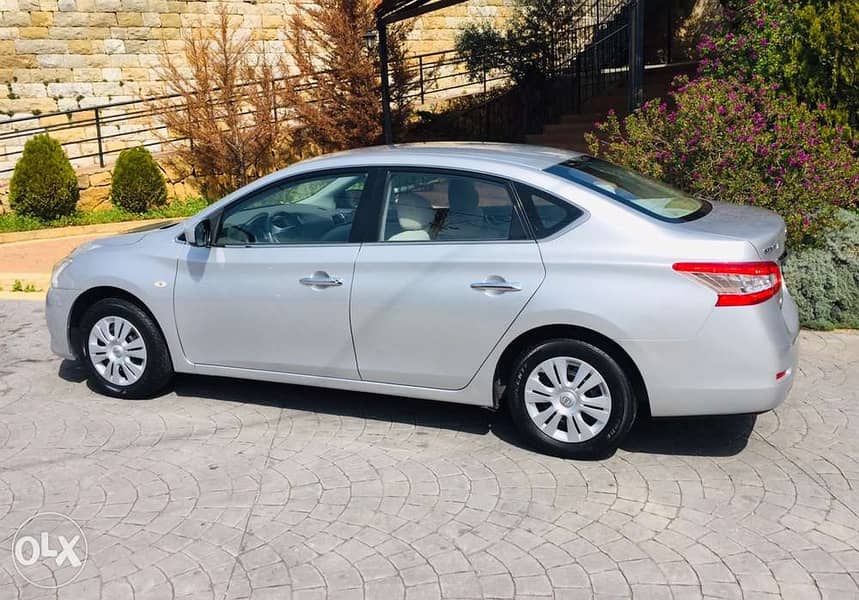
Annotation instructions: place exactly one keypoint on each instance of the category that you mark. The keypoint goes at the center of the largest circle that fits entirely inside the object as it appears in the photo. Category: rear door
(451, 271)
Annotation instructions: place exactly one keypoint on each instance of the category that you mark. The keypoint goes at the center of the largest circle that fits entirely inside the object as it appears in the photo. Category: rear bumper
(58, 307)
(731, 367)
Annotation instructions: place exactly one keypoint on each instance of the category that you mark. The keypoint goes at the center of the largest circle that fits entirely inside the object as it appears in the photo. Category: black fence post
(579, 83)
(636, 55)
(98, 137)
(386, 89)
(421, 77)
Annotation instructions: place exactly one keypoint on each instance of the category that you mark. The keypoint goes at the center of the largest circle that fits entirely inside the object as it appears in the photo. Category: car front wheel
(571, 399)
(124, 350)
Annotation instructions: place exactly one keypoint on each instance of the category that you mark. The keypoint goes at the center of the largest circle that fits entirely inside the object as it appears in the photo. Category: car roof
(430, 153)
(494, 158)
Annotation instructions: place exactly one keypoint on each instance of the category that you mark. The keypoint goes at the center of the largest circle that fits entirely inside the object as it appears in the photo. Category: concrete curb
(31, 296)
(75, 230)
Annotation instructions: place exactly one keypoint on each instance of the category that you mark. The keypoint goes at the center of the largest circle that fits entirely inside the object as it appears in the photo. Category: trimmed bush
(742, 142)
(824, 281)
(137, 184)
(43, 185)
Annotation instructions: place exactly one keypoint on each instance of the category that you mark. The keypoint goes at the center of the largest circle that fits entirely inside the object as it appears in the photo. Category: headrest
(462, 196)
(414, 212)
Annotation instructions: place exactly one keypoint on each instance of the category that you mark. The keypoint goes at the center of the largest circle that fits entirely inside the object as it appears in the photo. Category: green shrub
(482, 47)
(137, 184)
(824, 281)
(43, 185)
(742, 142)
(528, 48)
(809, 47)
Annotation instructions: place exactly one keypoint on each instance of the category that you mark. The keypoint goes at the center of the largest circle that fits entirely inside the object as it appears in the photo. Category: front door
(452, 271)
(272, 293)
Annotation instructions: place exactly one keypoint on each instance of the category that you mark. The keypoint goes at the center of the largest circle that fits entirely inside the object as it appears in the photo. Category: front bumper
(58, 308)
(731, 367)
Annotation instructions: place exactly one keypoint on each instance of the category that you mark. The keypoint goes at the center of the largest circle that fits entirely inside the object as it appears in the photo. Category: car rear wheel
(124, 351)
(571, 399)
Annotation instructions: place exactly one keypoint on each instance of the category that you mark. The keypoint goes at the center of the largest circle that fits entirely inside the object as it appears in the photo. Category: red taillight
(736, 284)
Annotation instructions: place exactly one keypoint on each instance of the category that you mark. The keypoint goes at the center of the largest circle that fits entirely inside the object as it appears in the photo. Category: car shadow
(690, 436)
(377, 407)
(713, 436)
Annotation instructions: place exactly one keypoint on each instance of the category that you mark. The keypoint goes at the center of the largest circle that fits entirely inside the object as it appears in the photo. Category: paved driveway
(231, 489)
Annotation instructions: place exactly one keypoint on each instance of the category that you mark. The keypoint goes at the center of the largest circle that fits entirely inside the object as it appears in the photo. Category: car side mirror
(200, 234)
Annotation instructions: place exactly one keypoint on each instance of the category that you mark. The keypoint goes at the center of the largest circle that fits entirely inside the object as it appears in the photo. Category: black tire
(623, 403)
(158, 369)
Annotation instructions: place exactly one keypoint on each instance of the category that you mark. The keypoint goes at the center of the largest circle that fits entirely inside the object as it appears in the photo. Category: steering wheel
(284, 225)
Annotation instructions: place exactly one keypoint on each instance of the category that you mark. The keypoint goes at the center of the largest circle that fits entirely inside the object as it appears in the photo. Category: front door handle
(497, 287)
(320, 280)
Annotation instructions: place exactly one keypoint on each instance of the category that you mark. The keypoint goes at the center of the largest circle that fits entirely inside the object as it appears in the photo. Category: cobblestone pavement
(232, 489)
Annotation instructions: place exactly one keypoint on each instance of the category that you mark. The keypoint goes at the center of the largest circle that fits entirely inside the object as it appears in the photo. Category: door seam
(351, 329)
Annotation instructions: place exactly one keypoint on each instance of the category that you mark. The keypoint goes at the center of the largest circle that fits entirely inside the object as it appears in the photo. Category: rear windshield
(641, 193)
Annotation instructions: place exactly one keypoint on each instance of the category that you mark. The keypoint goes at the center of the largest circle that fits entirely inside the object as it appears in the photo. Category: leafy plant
(824, 281)
(43, 184)
(17, 286)
(746, 143)
(483, 47)
(531, 47)
(809, 47)
(137, 183)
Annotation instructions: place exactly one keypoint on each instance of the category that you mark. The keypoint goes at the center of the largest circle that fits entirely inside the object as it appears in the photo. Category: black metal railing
(588, 52)
(92, 136)
(587, 58)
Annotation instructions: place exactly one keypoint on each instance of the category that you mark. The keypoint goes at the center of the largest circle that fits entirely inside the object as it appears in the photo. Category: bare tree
(404, 75)
(338, 103)
(226, 107)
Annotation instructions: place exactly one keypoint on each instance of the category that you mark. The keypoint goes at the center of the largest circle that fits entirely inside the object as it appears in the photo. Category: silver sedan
(575, 293)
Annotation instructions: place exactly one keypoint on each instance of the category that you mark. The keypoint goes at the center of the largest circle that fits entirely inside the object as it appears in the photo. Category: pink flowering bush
(809, 47)
(742, 142)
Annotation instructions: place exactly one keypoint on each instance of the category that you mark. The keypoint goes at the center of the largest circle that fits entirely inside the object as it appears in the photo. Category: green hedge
(137, 183)
(824, 280)
(44, 184)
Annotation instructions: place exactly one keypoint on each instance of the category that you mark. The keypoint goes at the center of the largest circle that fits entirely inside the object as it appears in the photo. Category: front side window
(304, 210)
(424, 206)
(642, 193)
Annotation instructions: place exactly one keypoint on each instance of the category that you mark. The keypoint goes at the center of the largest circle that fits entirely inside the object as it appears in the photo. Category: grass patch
(10, 222)
(19, 286)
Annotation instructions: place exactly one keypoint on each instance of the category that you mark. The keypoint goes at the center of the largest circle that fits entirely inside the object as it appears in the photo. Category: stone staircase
(569, 132)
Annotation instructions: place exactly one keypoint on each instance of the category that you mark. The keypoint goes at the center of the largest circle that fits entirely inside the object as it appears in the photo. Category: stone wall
(94, 184)
(58, 55)
(73, 55)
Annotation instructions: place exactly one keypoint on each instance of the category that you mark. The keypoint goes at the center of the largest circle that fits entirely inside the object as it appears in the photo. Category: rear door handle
(320, 280)
(500, 287)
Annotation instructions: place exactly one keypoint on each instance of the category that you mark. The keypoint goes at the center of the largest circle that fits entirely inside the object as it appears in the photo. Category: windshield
(642, 193)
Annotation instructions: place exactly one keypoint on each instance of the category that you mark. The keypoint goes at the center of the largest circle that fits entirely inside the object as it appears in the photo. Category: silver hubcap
(117, 350)
(567, 399)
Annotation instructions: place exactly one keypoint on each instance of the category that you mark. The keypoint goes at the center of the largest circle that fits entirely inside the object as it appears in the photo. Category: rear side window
(633, 189)
(435, 206)
(546, 213)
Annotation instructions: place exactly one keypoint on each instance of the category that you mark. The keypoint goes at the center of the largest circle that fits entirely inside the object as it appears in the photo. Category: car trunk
(763, 228)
